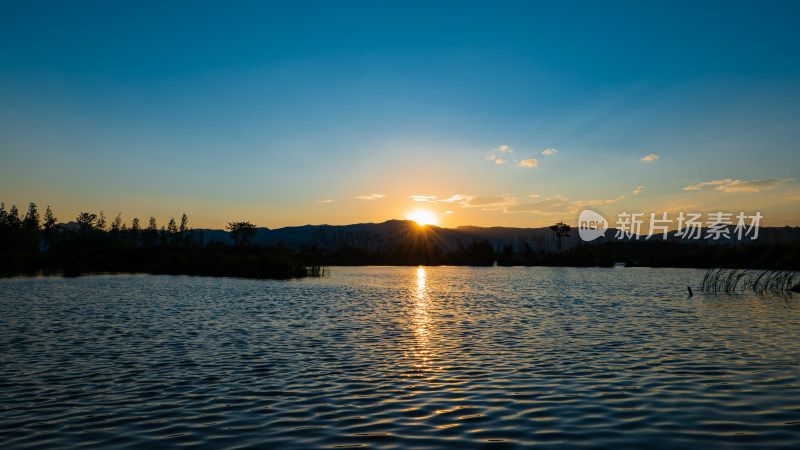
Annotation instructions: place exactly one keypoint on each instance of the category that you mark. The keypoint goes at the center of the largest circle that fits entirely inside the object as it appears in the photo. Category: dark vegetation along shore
(32, 244)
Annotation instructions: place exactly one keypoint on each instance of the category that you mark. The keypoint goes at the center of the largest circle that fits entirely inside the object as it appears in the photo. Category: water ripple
(397, 358)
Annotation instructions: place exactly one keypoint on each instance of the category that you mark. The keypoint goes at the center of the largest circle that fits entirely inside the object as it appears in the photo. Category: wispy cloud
(422, 198)
(650, 157)
(550, 206)
(447, 213)
(639, 189)
(490, 202)
(698, 186)
(583, 203)
(483, 202)
(555, 205)
(528, 163)
(729, 185)
(502, 149)
(324, 201)
(371, 197)
(456, 198)
(754, 185)
(549, 151)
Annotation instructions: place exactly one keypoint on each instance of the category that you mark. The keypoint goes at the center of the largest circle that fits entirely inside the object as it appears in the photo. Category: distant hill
(382, 235)
(386, 232)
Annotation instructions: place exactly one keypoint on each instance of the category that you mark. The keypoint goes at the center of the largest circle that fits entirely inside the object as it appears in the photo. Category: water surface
(398, 357)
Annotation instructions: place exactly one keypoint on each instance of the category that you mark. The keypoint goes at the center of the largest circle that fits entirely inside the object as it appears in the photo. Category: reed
(733, 280)
(316, 271)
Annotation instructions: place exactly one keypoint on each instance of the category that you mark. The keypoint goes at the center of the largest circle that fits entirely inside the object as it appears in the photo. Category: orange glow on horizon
(423, 217)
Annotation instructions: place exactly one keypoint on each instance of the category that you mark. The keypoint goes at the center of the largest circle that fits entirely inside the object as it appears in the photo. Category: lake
(398, 357)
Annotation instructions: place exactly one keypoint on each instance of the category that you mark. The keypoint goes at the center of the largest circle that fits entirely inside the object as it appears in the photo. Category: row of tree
(31, 243)
(90, 243)
(30, 230)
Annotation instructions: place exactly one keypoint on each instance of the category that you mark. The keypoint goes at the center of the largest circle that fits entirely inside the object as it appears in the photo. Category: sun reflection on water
(421, 319)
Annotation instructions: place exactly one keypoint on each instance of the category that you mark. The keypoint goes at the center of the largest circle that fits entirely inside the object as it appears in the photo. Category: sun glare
(423, 217)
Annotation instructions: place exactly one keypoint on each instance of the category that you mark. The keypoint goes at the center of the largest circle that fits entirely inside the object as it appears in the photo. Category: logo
(591, 225)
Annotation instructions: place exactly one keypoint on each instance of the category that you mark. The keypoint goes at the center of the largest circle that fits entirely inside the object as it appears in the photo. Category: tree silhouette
(31, 220)
(561, 229)
(184, 223)
(172, 227)
(86, 221)
(241, 232)
(186, 240)
(116, 225)
(172, 231)
(135, 230)
(101, 222)
(150, 234)
(49, 228)
(12, 220)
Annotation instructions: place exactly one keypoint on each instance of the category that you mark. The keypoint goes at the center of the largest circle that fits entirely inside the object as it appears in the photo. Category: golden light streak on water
(422, 320)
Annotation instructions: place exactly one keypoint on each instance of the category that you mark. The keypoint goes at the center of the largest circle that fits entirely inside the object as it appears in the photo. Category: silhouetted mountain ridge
(298, 236)
(538, 238)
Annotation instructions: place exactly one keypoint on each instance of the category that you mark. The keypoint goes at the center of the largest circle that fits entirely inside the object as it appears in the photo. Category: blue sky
(322, 112)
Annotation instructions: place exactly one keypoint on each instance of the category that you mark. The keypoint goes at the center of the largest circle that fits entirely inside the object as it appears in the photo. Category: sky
(487, 113)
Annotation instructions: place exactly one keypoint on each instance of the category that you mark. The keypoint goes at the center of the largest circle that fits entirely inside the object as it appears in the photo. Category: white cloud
(556, 205)
(753, 186)
(650, 157)
(500, 149)
(729, 185)
(549, 151)
(456, 198)
(371, 197)
(324, 201)
(487, 203)
(422, 198)
(528, 163)
(698, 186)
(483, 202)
(446, 213)
(639, 189)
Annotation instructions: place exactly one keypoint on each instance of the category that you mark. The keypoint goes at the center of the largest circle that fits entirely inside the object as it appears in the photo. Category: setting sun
(423, 217)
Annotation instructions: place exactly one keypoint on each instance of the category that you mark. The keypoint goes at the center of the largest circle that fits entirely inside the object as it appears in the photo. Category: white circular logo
(591, 225)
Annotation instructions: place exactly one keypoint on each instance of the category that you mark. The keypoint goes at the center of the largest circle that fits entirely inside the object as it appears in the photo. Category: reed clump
(738, 280)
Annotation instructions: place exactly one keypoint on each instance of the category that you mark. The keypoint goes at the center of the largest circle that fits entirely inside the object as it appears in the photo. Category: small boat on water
(619, 264)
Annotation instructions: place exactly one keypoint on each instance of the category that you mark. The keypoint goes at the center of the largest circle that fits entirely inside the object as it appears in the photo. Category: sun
(423, 217)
